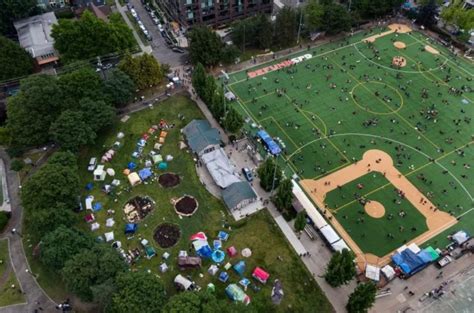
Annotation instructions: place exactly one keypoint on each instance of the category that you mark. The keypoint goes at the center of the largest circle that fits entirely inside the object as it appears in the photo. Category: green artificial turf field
(329, 109)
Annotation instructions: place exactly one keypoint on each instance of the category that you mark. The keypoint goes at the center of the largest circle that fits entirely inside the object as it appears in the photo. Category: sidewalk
(122, 10)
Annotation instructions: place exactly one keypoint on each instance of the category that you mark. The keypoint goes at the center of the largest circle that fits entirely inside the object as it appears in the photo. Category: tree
(300, 221)
(314, 13)
(79, 84)
(205, 46)
(33, 109)
(202, 302)
(286, 27)
(50, 186)
(229, 54)
(17, 165)
(233, 121)
(96, 114)
(91, 267)
(376, 8)
(16, 62)
(427, 13)
(144, 70)
(341, 268)
(265, 32)
(42, 221)
(362, 299)
(456, 14)
(284, 196)
(336, 19)
(199, 79)
(12, 10)
(89, 37)
(119, 88)
(64, 158)
(137, 292)
(270, 174)
(71, 132)
(62, 244)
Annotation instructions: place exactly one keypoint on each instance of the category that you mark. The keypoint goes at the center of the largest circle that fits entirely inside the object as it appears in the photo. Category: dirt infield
(430, 49)
(399, 45)
(394, 28)
(377, 161)
(399, 61)
(374, 209)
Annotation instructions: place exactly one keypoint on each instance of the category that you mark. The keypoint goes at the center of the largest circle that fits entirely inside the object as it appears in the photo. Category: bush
(17, 165)
(4, 217)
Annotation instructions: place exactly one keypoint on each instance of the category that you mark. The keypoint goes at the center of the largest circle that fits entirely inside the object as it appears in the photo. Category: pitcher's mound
(374, 209)
(399, 45)
(399, 61)
(432, 50)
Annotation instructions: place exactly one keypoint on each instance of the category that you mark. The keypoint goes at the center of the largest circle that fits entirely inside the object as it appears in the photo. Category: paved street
(160, 49)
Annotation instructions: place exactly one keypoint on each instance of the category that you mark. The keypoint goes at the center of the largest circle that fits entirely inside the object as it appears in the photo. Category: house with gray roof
(238, 195)
(201, 137)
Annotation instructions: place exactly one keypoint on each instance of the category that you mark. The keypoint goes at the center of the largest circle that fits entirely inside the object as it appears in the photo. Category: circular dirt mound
(399, 45)
(169, 180)
(167, 235)
(374, 209)
(399, 61)
(186, 206)
(138, 208)
(432, 50)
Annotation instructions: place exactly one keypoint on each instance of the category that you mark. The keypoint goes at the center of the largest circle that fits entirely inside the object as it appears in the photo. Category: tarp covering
(260, 275)
(269, 142)
(414, 247)
(189, 261)
(372, 272)
(145, 173)
(235, 293)
(408, 261)
(205, 252)
(330, 234)
(461, 237)
(220, 168)
(432, 252)
(130, 228)
(200, 235)
(425, 256)
(388, 271)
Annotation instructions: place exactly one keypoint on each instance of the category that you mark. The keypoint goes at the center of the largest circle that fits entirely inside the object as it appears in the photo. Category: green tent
(432, 252)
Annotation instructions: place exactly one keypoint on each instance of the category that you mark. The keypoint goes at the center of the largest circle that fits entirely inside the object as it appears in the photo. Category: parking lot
(161, 51)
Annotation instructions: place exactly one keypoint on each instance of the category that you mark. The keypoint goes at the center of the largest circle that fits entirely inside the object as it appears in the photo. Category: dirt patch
(399, 45)
(400, 28)
(374, 209)
(186, 206)
(168, 180)
(430, 49)
(138, 208)
(399, 61)
(167, 235)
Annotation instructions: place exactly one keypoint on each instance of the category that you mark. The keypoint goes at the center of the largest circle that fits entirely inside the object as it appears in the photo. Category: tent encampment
(388, 272)
(110, 222)
(223, 277)
(95, 226)
(183, 283)
(218, 256)
(232, 251)
(99, 173)
(134, 179)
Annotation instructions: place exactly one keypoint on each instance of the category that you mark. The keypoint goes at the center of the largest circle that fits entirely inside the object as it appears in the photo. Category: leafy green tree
(265, 32)
(102, 293)
(5, 136)
(96, 114)
(51, 185)
(314, 14)
(216, 104)
(202, 302)
(286, 27)
(376, 8)
(229, 54)
(341, 268)
(17, 165)
(12, 10)
(91, 267)
(89, 37)
(16, 62)
(4, 217)
(79, 84)
(456, 14)
(270, 174)
(71, 132)
(199, 79)
(209, 89)
(64, 158)
(205, 46)
(33, 109)
(61, 245)
(336, 19)
(284, 196)
(119, 88)
(138, 292)
(144, 70)
(362, 299)
(426, 14)
(233, 121)
(300, 221)
(41, 221)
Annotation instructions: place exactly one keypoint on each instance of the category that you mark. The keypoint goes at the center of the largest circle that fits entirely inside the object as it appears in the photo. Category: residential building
(214, 12)
(34, 35)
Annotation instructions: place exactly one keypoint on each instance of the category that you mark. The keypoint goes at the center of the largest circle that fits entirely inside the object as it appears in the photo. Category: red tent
(89, 218)
(260, 275)
(232, 251)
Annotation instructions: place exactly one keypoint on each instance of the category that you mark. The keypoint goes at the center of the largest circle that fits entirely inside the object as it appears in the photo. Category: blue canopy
(131, 165)
(205, 252)
(408, 261)
(163, 165)
(218, 256)
(97, 206)
(145, 173)
(223, 235)
(269, 142)
(89, 186)
(223, 276)
(130, 228)
(239, 268)
(425, 256)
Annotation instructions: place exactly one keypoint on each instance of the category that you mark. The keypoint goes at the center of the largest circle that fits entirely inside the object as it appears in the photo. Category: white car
(160, 27)
(156, 21)
(134, 13)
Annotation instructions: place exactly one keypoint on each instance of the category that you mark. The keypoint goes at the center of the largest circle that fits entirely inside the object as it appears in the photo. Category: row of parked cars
(139, 22)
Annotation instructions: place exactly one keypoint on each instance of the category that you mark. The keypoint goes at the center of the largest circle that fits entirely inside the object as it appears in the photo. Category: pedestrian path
(290, 235)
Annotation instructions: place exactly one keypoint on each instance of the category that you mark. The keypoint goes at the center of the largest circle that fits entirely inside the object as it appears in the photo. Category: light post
(301, 22)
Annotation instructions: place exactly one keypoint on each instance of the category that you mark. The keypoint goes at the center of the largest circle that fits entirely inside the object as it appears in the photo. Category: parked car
(155, 21)
(445, 261)
(248, 174)
(134, 13)
(177, 50)
(92, 164)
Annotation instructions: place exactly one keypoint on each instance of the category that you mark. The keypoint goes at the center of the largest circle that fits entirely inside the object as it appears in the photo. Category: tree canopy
(255, 31)
(144, 70)
(362, 299)
(12, 10)
(64, 158)
(300, 221)
(137, 292)
(16, 62)
(61, 245)
(202, 302)
(267, 171)
(284, 197)
(90, 36)
(375, 8)
(341, 268)
(336, 19)
(314, 13)
(286, 27)
(205, 46)
(457, 15)
(119, 88)
(71, 131)
(91, 267)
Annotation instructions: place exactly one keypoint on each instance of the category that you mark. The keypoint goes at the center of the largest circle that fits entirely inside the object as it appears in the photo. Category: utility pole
(301, 22)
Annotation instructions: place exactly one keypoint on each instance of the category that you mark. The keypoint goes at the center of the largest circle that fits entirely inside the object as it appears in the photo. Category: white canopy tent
(372, 272)
(460, 237)
(311, 210)
(110, 222)
(414, 248)
(330, 234)
(109, 236)
(95, 226)
(134, 179)
(339, 245)
(388, 271)
(220, 168)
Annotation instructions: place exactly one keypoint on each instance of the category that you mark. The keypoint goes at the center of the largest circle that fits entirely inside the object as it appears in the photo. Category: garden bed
(168, 180)
(138, 208)
(186, 205)
(167, 235)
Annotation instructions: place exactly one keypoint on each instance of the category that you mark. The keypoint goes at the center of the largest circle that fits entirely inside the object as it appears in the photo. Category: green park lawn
(324, 128)
(258, 232)
(8, 295)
